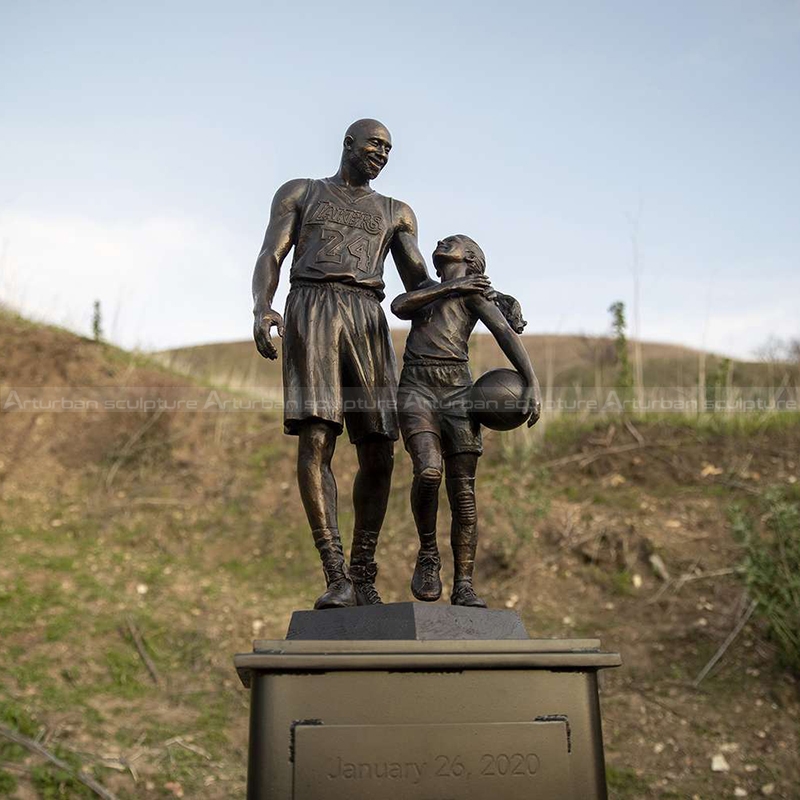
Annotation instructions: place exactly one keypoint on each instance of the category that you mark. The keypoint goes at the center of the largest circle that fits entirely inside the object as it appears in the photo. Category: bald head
(366, 147)
(366, 127)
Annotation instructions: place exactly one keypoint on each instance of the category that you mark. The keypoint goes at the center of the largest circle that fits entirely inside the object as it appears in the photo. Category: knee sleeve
(429, 479)
(464, 507)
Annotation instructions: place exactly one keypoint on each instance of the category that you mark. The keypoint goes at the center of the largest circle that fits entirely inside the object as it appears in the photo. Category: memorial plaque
(513, 761)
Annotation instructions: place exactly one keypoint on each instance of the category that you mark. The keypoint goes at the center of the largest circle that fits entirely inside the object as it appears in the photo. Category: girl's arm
(511, 344)
(406, 305)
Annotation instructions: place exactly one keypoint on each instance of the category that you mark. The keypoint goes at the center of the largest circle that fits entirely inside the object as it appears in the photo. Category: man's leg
(318, 492)
(460, 480)
(370, 499)
(426, 454)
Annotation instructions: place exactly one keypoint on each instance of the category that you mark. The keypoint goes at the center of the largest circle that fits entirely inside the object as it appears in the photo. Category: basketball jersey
(342, 238)
(440, 331)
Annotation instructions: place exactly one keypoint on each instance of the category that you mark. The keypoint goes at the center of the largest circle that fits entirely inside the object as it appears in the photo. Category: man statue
(339, 364)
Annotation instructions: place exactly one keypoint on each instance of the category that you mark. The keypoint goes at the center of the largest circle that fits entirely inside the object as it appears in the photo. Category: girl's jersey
(440, 331)
(341, 237)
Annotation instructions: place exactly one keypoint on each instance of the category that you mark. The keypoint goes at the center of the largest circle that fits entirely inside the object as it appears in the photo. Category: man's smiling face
(368, 148)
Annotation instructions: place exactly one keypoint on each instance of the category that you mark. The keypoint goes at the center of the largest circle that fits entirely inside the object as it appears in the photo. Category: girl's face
(449, 258)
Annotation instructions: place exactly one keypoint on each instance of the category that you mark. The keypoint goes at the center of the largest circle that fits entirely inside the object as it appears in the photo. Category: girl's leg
(426, 454)
(461, 469)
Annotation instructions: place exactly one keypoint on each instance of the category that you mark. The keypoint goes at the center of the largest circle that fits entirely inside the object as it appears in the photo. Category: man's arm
(278, 240)
(510, 343)
(405, 250)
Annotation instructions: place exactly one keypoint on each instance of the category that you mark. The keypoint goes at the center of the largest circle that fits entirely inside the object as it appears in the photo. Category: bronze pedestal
(424, 720)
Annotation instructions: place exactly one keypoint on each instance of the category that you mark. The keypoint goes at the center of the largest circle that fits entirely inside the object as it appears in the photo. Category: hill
(562, 361)
(179, 536)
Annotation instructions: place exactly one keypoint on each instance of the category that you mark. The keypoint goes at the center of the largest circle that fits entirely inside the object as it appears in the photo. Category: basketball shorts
(338, 361)
(435, 398)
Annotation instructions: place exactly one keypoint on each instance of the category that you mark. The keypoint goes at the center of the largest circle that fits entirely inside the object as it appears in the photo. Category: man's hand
(469, 284)
(533, 399)
(264, 320)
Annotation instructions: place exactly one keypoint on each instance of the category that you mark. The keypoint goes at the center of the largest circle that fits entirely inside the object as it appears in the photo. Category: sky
(582, 143)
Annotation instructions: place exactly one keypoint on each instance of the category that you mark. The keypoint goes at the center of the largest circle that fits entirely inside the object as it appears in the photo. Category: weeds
(624, 371)
(54, 783)
(97, 322)
(625, 783)
(8, 783)
(523, 502)
(772, 567)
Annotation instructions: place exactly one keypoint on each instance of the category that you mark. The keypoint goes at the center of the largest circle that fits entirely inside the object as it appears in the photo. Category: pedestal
(423, 718)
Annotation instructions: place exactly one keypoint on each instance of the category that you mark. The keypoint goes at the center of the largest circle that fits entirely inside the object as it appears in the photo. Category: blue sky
(141, 144)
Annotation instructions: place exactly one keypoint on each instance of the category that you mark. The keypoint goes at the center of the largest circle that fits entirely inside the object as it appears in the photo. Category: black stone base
(409, 621)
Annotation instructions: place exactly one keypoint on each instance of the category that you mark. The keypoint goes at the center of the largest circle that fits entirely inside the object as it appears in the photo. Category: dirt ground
(139, 551)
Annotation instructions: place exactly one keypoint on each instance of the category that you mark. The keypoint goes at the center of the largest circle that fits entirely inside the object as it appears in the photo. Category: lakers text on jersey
(342, 237)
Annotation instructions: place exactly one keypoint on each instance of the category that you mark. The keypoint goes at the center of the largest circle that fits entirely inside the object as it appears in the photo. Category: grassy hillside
(563, 361)
(180, 536)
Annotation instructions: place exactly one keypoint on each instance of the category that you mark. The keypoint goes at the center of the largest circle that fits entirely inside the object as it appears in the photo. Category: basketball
(497, 400)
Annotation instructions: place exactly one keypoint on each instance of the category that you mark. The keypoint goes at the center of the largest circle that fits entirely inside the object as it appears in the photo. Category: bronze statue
(339, 366)
(433, 403)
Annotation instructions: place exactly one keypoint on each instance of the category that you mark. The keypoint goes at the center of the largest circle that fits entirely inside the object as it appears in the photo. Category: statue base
(415, 621)
(408, 716)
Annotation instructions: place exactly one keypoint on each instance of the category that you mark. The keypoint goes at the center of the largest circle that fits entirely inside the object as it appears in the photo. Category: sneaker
(464, 595)
(339, 594)
(426, 584)
(363, 577)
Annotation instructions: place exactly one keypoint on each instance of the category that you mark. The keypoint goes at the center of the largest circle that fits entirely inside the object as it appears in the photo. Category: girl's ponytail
(511, 310)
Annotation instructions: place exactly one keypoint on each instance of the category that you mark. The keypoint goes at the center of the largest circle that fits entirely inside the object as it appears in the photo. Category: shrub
(772, 570)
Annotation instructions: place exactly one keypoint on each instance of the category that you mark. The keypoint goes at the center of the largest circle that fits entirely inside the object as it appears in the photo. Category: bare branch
(35, 747)
(726, 644)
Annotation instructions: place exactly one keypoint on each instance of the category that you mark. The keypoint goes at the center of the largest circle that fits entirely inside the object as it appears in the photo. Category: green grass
(71, 595)
(8, 783)
(564, 430)
(622, 583)
(625, 784)
(54, 783)
(618, 582)
(13, 715)
(520, 499)
(772, 567)
(49, 780)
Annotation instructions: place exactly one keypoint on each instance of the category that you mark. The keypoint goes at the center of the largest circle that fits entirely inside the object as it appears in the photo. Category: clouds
(138, 168)
(162, 280)
(170, 280)
(734, 333)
